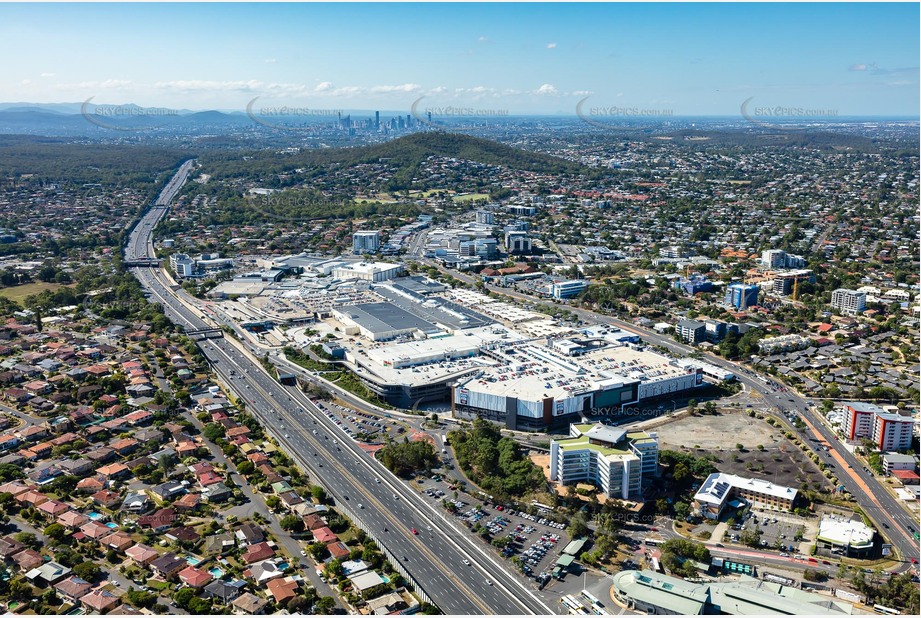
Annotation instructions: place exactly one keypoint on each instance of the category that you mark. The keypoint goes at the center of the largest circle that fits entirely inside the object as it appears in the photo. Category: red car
(500, 508)
(414, 531)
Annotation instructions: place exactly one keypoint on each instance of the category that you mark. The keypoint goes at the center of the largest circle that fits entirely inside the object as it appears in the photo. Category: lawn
(18, 293)
(471, 197)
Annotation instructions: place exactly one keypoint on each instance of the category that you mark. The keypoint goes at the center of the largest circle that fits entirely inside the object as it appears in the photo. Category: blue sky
(690, 59)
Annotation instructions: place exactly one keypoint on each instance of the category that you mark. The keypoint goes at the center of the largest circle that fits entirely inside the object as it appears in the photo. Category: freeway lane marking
(429, 513)
(385, 513)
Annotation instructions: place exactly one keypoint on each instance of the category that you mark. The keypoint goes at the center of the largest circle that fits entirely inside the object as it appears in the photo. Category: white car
(303, 552)
(467, 562)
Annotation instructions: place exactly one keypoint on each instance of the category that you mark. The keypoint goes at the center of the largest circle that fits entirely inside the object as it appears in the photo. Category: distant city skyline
(643, 60)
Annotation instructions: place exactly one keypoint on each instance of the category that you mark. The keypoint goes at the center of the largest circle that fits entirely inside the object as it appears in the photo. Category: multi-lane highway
(451, 567)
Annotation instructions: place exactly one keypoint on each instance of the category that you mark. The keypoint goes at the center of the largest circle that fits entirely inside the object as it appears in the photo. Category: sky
(669, 59)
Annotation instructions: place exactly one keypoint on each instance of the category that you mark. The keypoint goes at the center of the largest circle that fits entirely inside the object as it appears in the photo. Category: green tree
(292, 523)
(213, 431)
(325, 605)
(87, 570)
(28, 539)
(55, 532)
(578, 527)
(140, 598)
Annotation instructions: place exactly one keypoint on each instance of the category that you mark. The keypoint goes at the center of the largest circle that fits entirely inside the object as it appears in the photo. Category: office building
(183, 266)
(616, 461)
(850, 302)
(517, 242)
(741, 295)
(567, 289)
(367, 241)
(721, 490)
(695, 284)
(484, 248)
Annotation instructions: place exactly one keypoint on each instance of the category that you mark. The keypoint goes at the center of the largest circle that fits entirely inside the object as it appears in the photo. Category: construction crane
(796, 279)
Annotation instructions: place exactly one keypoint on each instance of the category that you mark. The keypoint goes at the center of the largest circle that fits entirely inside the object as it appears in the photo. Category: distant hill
(411, 150)
(403, 155)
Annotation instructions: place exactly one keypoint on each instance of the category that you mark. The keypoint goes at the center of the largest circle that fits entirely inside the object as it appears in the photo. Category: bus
(591, 598)
(594, 603)
(885, 610)
(652, 541)
(573, 606)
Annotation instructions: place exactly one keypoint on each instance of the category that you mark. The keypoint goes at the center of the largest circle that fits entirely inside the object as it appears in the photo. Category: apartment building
(888, 430)
(742, 295)
(851, 302)
(366, 241)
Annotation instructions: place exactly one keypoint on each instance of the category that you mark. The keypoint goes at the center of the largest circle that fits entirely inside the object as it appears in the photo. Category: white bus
(885, 610)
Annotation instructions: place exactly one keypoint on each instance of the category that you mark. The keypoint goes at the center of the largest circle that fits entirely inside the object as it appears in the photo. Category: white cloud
(857, 67)
(547, 89)
(484, 39)
(108, 84)
(581, 93)
(48, 74)
(198, 85)
(26, 82)
(551, 45)
(398, 88)
(271, 60)
(324, 87)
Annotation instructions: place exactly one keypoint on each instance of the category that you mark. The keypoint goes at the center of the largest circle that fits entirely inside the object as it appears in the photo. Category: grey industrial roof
(383, 317)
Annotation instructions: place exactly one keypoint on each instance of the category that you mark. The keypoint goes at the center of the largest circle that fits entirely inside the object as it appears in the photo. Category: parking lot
(354, 422)
(776, 533)
(535, 540)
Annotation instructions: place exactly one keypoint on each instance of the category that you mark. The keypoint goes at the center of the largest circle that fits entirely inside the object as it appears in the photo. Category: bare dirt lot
(779, 462)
